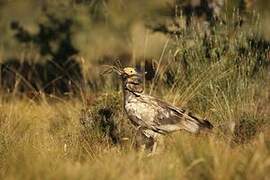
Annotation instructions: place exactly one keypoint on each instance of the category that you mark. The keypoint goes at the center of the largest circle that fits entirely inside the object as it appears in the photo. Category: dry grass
(225, 80)
(45, 140)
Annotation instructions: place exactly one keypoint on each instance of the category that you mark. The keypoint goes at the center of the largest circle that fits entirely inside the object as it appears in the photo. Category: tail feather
(194, 125)
(206, 124)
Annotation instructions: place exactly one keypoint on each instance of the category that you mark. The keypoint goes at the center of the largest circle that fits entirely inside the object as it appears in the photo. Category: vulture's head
(131, 79)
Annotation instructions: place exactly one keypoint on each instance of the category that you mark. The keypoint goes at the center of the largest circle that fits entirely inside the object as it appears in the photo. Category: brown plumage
(152, 116)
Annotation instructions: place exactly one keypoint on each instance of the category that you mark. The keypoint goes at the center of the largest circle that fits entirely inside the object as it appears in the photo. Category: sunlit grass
(224, 80)
(44, 142)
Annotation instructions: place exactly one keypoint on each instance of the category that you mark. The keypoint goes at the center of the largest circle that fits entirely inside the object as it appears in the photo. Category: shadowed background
(59, 46)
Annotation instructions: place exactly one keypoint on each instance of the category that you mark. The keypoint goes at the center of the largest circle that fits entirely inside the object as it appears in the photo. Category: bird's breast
(142, 111)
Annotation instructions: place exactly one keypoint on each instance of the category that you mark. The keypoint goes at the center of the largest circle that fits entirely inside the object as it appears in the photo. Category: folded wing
(170, 118)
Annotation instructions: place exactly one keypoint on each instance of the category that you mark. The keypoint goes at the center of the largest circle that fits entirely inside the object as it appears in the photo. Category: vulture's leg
(158, 145)
(143, 141)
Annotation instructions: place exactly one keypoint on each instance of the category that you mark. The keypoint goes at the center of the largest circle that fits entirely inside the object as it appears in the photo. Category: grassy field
(41, 140)
(224, 76)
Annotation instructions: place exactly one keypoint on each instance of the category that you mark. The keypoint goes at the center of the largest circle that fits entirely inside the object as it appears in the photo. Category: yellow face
(130, 71)
(132, 80)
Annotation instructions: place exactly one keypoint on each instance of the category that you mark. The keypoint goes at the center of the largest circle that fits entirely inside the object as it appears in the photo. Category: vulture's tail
(193, 124)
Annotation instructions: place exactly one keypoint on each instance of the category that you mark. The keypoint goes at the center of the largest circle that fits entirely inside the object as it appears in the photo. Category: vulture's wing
(170, 118)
